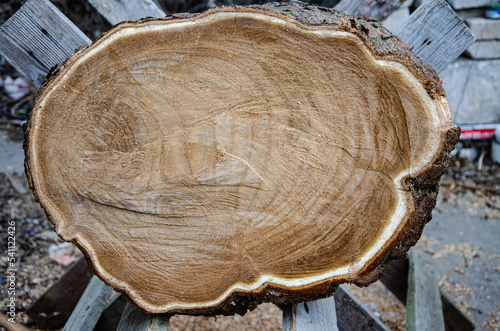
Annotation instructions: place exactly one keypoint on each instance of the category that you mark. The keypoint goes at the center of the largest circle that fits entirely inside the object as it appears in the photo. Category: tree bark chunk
(210, 163)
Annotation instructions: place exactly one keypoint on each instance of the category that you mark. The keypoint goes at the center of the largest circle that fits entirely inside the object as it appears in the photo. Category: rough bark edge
(424, 186)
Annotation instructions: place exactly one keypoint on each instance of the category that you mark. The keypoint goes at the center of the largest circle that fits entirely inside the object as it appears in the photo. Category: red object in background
(474, 134)
(478, 131)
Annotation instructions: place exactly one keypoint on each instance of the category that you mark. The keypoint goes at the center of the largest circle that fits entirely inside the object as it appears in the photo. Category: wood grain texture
(89, 307)
(436, 34)
(38, 37)
(377, 9)
(116, 11)
(423, 305)
(240, 156)
(311, 316)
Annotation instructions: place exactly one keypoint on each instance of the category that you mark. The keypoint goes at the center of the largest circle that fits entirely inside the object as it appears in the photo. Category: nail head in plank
(436, 34)
(310, 316)
(116, 11)
(90, 307)
(423, 306)
(135, 319)
(37, 37)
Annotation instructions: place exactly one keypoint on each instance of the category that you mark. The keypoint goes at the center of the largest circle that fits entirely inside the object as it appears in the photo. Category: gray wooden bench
(39, 36)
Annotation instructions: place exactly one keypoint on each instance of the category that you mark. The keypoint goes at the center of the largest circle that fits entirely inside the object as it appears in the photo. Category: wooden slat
(16, 183)
(378, 9)
(396, 278)
(423, 304)
(436, 34)
(54, 307)
(352, 315)
(111, 315)
(135, 319)
(310, 316)
(116, 11)
(37, 37)
(90, 307)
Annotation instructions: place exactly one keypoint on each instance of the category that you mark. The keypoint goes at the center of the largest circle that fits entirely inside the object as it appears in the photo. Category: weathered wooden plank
(135, 319)
(396, 278)
(54, 307)
(116, 11)
(37, 37)
(111, 315)
(423, 305)
(16, 183)
(90, 307)
(397, 18)
(436, 34)
(310, 316)
(378, 9)
(396, 281)
(352, 315)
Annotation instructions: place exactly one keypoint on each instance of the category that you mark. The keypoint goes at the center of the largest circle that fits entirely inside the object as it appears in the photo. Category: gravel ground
(36, 272)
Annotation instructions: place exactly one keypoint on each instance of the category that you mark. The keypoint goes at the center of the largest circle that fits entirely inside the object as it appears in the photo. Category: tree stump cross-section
(243, 155)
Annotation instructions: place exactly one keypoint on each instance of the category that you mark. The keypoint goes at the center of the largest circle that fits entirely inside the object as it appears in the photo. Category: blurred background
(461, 244)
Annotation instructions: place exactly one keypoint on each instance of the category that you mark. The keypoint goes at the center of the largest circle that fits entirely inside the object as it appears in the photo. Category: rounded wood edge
(424, 185)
